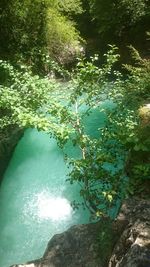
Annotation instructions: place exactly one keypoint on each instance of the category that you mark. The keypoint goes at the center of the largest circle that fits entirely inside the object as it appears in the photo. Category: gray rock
(133, 247)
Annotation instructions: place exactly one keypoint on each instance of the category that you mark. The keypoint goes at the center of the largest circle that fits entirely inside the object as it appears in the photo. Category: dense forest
(62, 28)
(100, 49)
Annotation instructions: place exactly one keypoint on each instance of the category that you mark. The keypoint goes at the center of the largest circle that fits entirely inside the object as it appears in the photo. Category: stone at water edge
(76, 247)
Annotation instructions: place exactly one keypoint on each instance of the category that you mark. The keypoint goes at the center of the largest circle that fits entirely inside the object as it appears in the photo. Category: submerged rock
(80, 245)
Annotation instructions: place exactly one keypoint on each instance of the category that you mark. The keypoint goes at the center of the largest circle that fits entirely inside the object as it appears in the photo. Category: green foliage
(28, 20)
(61, 37)
(70, 7)
(38, 25)
(26, 100)
(117, 16)
(21, 97)
(132, 122)
(91, 79)
(139, 78)
(99, 186)
(121, 135)
(119, 22)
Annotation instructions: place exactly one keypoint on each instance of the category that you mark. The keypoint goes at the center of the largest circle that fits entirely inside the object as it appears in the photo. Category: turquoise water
(35, 199)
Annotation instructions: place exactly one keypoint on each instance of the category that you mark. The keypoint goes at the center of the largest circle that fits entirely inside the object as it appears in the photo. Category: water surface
(35, 199)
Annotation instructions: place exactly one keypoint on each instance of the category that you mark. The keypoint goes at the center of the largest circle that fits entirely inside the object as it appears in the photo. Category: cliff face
(133, 246)
(8, 140)
(80, 245)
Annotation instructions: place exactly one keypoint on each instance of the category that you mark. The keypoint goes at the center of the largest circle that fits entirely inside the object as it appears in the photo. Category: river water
(35, 199)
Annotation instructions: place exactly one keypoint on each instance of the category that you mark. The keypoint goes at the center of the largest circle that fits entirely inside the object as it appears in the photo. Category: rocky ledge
(83, 245)
(9, 138)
